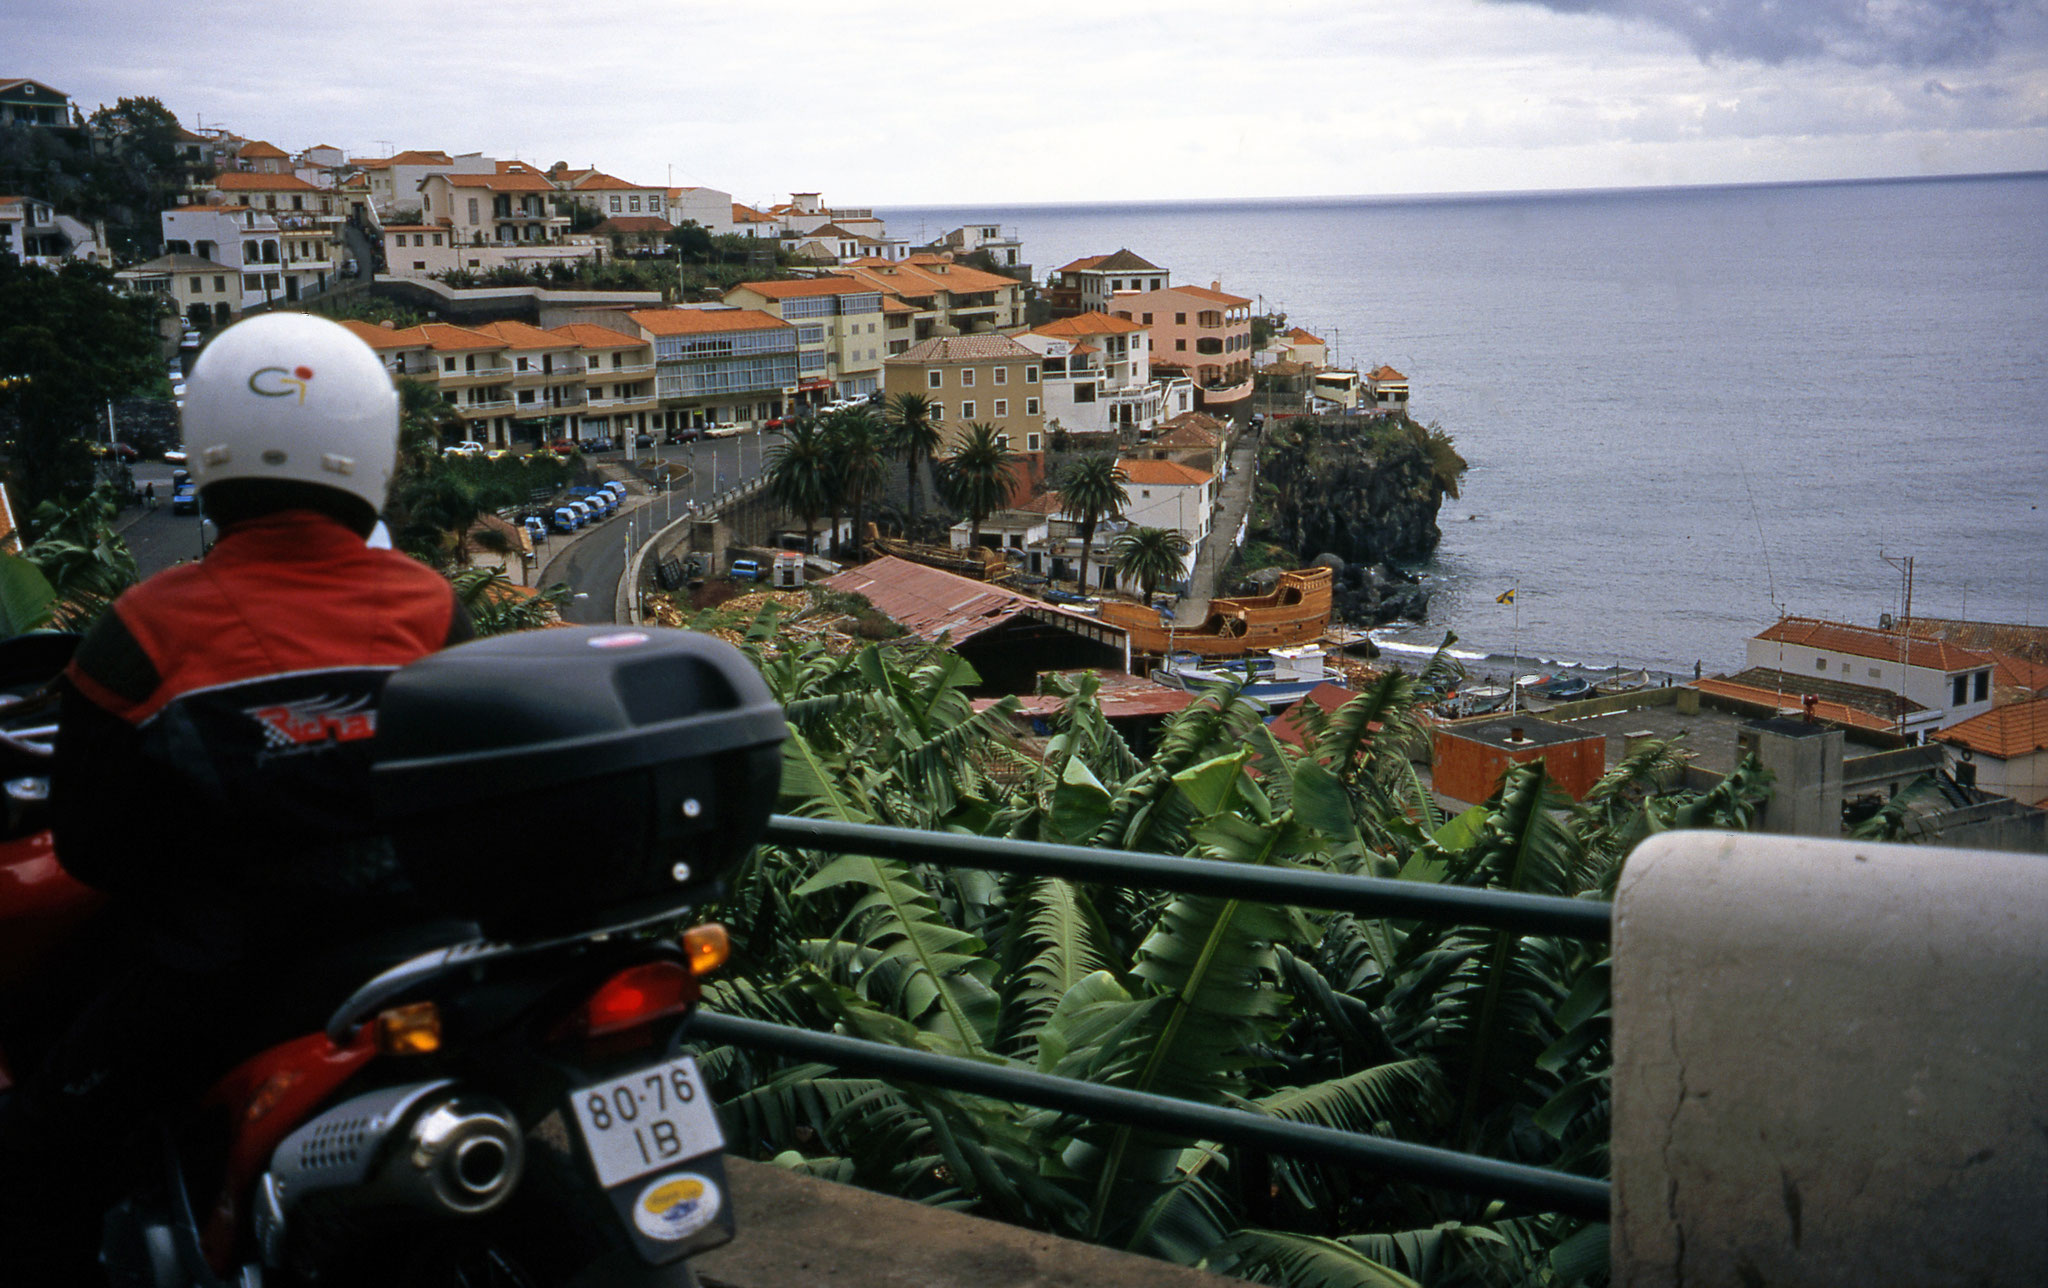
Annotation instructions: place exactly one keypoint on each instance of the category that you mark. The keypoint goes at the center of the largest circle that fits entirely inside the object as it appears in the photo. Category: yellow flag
(1505, 597)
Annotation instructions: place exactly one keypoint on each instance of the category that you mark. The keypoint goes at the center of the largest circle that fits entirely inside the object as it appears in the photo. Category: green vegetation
(800, 475)
(698, 265)
(1150, 555)
(123, 168)
(857, 442)
(917, 440)
(1484, 1041)
(1366, 492)
(978, 476)
(68, 343)
(1092, 487)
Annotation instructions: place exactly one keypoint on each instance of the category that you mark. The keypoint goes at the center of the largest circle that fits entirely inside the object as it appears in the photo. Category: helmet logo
(276, 382)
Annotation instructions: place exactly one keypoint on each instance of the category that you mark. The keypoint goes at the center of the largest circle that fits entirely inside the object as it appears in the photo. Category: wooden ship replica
(1295, 611)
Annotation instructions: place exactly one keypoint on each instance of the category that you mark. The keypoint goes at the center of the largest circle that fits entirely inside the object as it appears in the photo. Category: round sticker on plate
(618, 639)
(676, 1207)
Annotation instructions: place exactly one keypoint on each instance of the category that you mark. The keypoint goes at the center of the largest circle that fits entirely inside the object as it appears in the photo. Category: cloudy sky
(895, 103)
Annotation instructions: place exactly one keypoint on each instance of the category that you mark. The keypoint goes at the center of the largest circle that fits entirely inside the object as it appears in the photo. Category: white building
(708, 208)
(33, 232)
(1167, 494)
(1951, 683)
(248, 243)
(2004, 750)
(1098, 376)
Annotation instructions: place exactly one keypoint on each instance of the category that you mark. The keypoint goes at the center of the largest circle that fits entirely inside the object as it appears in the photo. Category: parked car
(175, 456)
(721, 431)
(465, 448)
(678, 437)
(184, 499)
(617, 489)
(562, 447)
(591, 514)
(746, 570)
(565, 519)
(642, 442)
(536, 531)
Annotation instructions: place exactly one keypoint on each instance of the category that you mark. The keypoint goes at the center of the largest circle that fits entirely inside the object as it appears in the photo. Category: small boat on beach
(1280, 677)
(1565, 688)
(1626, 682)
(1474, 700)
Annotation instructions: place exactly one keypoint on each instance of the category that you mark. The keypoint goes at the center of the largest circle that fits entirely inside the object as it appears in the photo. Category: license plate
(646, 1120)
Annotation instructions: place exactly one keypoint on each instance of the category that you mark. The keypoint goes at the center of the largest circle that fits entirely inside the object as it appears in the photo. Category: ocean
(1686, 410)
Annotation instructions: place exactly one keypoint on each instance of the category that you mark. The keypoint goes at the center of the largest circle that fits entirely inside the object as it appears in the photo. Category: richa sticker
(618, 639)
(676, 1207)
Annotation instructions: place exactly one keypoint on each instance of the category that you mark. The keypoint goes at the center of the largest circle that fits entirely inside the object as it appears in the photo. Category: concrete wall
(1828, 1065)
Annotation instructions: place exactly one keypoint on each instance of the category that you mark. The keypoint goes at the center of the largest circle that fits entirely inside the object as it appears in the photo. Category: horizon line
(1472, 194)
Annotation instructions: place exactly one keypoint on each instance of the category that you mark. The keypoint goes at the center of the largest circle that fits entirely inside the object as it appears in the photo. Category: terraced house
(1205, 332)
(944, 297)
(842, 329)
(1098, 376)
(719, 365)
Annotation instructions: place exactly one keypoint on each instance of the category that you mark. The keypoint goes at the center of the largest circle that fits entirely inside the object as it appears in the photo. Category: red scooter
(511, 1107)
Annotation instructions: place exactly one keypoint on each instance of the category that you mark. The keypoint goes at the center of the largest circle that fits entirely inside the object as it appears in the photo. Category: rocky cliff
(1361, 497)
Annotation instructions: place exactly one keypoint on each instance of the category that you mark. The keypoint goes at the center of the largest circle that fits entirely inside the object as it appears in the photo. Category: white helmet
(291, 397)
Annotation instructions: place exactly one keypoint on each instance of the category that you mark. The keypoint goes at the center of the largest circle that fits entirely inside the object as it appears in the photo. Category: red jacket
(216, 728)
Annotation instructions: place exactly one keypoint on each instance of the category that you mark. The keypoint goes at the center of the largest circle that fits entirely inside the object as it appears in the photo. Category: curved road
(591, 561)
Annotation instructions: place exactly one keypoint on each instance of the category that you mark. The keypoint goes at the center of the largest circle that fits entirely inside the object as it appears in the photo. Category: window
(1002, 375)
(1146, 493)
(437, 239)
(1962, 690)
(1983, 687)
(1180, 346)
(934, 379)
(1003, 441)
(1180, 319)
(967, 377)
(615, 205)
(472, 210)
(1030, 406)
(419, 266)
(1820, 664)
(1209, 344)
(1030, 375)
(448, 364)
(938, 412)
(633, 204)
(967, 410)
(1002, 408)
(196, 284)
(1031, 442)
(1148, 319)
(1877, 673)
(1155, 283)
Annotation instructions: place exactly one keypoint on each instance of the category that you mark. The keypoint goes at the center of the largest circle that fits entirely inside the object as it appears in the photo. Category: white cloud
(898, 103)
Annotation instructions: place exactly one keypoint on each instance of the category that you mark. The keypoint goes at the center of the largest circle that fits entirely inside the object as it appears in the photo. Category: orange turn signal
(706, 947)
(412, 1029)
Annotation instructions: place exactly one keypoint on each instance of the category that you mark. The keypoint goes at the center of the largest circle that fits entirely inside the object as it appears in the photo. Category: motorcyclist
(211, 775)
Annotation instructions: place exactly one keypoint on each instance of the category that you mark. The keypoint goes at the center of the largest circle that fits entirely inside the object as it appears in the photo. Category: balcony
(483, 407)
(637, 369)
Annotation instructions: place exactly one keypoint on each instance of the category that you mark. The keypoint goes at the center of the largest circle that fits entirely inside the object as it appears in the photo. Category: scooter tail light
(635, 996)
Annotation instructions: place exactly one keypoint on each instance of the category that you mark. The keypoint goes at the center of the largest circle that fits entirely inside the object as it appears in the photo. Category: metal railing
(1536, 1188)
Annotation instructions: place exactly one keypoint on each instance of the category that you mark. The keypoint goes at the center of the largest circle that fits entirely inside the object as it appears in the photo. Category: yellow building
(977, 380)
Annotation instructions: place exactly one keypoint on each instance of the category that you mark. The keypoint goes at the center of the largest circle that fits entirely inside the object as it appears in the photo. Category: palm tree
(917, 438)
(860, 455)
(1092, 488)
(422, 411)
(978, 475)
(1151, 555)
(799, 475)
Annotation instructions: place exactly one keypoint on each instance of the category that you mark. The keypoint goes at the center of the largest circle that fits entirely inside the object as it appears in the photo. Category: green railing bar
(1536, 1188)
(1532, 914)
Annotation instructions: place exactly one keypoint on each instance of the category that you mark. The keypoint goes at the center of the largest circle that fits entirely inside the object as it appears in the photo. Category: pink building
(1203, 332)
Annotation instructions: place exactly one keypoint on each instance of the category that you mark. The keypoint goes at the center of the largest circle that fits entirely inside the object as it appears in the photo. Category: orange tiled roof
(403, 158)
(513, 182)
(922, 276)
(218, 208)
(1162, 473)
(1865, 641)
(1832, 712)
(1206, 293)
(634, 224)
(806, 288)
(444, 337)
(1384, 372)
(2016, 729)
(516, 167)
(261, 151)
(705, 321)
(384, 337)
(1092, 323)
(1302, 336)
(520, 335)
(2014, 671)
(749, 215)
(588, 335)
(233, 182)
(963, 348)
(599, 181)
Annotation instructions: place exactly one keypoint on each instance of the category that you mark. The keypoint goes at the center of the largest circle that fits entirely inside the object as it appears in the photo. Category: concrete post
(1829, 1065)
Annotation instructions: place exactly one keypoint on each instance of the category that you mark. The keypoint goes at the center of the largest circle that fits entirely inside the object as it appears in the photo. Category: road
(591, 561)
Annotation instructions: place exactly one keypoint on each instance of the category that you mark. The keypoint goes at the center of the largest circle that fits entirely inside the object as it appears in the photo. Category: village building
(1098, 377)
(609, 196)
(1201, 332)
(2004, 750)
(35, 232)
(393, 183)
(1006, 636)
(1194, 439)
(1386, 390)
(708, 208)
(978, 379)
(1001, 245)
(1089, 284)
(718, 366)
(308, 220)
(1944, 683)
(254, 245)
(619, 396)
(204, 292)
(842, 330)
(34, 105)
(944, 297)
(1167, 494)
(503, 208)
(260, 157)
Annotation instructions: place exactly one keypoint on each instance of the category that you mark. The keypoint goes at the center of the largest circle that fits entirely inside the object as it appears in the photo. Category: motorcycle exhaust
(425, 1146)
